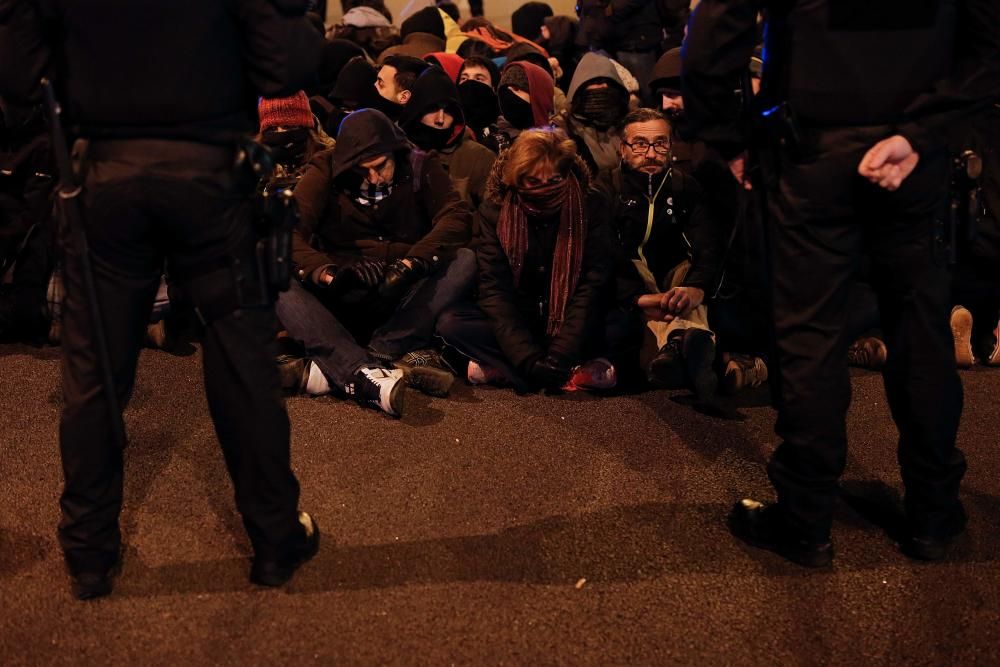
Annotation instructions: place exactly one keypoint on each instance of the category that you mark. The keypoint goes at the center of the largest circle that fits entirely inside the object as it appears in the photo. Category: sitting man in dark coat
(378, 255)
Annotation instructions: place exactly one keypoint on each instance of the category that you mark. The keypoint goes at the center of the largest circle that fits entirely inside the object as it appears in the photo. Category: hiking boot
(699, 361)
(961, 330)
(743, 371)
(378, 388)
(594, 374)
(478, 373)
(666, 370)
(994, 358)
(761, 525)
(277, 571)
(868, 352)
(426, 371)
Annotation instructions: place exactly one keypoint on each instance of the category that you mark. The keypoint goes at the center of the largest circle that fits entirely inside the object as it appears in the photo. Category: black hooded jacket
(468, 163)
(422, 217)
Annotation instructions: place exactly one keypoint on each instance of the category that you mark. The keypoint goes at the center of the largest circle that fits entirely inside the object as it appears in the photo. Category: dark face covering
(602, 108)
(479, 103)
(388, 107)
(430, 138)
(515, 110)
(287, 146)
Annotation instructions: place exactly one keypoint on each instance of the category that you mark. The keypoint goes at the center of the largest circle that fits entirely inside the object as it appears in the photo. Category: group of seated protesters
(527, 208)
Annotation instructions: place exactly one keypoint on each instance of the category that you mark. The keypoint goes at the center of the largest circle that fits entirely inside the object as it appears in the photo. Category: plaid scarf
(369, 194)
(566, 198)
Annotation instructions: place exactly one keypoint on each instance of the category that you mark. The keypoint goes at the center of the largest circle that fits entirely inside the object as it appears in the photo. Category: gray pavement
(488, 529)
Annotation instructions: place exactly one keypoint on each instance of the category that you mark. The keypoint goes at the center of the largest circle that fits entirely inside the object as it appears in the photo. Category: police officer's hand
(400, 276)
(889, 162)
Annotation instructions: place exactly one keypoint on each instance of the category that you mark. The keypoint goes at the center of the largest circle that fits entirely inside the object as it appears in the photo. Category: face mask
(388, 107)
(287, 146)
(602, 108)
(430, 138)
(479, 103)
(515, 110)
(544, 200)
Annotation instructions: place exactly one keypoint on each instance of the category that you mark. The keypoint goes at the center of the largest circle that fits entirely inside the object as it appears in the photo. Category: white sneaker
(379, 388)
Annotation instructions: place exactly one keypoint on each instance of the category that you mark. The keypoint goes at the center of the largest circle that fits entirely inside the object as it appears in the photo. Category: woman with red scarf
(544, 260)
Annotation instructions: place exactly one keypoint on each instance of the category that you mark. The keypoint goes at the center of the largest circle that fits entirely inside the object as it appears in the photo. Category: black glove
(399, 278)
(549, 372)
(366, 272)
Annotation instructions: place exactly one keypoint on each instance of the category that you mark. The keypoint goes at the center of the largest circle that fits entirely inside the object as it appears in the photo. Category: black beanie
(426, 20)
(527, 19)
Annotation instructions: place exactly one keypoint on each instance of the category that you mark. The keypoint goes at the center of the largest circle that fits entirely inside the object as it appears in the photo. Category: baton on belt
(72, 212)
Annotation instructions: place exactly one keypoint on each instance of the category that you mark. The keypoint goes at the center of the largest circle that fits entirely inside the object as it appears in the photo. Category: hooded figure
(517, 81)
(434, 120)
(368, 28)
(449, 62)
(527, 19)
(561, 45)
(355, 89)
(336, 53)
(598, 101)
(422, 33)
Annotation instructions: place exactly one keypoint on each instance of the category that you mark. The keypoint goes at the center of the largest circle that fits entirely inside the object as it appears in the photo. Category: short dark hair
(643, 115)
(407, 68)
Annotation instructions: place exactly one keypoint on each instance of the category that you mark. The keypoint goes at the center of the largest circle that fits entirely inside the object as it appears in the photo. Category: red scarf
(567, 258)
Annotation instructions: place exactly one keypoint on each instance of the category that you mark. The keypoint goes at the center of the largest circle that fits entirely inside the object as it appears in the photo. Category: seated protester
(433, 120)
(477, 80)
(473, 46)
(394, 82)
(559, 39)
(525, 96)
(527, 20)
(544, 271)
(422, 32)
(670, 253)
(379, 252)
(336, 53)
(533, 54)
(598, 101)
(665, 83)
(291, 133)
(368, 27)
(451, 63)
(355, 89)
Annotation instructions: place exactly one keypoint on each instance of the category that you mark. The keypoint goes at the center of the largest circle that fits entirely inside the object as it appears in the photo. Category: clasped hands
(673, 303)
(392, 280)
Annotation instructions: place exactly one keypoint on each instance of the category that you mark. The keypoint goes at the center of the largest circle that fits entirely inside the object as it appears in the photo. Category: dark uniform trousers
(824, 216)
(146, 201)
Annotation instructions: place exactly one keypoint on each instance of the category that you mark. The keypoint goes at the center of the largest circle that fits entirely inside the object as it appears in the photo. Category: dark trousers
(824, 217)
(146, 202)
(315, 320)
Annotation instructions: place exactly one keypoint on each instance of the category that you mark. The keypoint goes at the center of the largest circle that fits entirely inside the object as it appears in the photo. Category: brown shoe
(743, 371)
(961, 329)
(868, 352)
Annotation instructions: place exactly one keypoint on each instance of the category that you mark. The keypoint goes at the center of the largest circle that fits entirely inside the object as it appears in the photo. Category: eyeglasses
(641, 146)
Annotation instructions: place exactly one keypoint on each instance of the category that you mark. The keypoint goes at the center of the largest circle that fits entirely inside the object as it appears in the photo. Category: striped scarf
(565, 198)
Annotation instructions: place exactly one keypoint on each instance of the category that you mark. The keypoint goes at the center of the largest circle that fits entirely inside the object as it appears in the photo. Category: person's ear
(404, 97)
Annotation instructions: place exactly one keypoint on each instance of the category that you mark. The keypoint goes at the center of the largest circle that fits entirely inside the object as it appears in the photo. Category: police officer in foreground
(160, 94)
(853, 96)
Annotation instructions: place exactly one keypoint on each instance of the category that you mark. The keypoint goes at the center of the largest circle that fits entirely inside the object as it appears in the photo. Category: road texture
(489, 529)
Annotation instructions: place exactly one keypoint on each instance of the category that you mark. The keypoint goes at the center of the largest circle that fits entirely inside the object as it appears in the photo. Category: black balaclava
(430, 138)
(602, 108)
(480, 104)
(515, 110)
(288, 147)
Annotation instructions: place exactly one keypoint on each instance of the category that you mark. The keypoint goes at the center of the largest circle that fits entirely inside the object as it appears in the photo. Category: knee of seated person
(448, 324)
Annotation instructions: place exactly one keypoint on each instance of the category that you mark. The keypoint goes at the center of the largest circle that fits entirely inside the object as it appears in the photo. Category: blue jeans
(409, 327)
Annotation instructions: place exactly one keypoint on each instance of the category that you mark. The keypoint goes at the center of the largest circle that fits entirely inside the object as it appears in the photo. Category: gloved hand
(400, 276)
(549, 372)
(366, 272)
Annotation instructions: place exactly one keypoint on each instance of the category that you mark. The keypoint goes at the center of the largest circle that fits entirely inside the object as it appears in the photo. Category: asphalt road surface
(489, 529)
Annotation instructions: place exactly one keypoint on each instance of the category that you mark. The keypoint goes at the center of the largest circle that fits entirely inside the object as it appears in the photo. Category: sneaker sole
(961, 330)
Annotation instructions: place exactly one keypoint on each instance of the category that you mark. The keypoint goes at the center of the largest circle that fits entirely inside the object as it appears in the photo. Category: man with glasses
(377, 257)
(670, 252)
